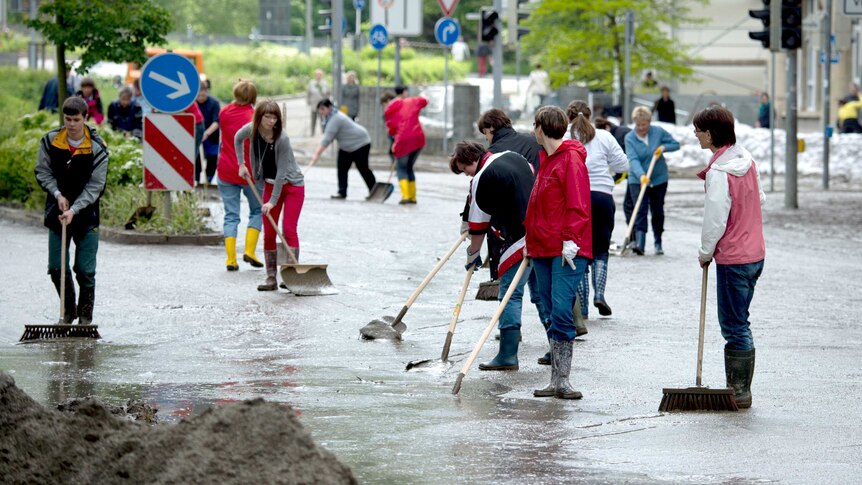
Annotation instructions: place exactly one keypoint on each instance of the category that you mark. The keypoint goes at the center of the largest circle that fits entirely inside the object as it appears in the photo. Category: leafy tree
(102, 30)
(583, 41)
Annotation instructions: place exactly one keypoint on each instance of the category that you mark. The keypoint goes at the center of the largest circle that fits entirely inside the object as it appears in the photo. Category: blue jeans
(510, 319)
(86, 247)
(404, 166)
(557, 284)
(735, 290)
(533, 284)
(230, 198)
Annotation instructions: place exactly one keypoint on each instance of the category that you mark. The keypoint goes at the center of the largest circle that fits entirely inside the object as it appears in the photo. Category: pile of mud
(248, 442)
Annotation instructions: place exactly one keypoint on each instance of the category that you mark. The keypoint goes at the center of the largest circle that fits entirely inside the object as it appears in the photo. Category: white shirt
(604, 156)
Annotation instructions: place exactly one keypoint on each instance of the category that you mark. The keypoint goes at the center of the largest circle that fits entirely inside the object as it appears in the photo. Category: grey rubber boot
(551, 388)
(271, 261)
(561, 351)
(583, 292)
(86, 302)
(600, 279)
(739, 369)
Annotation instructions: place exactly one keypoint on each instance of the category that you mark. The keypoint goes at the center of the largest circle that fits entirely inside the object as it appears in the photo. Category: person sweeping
(402, 122)
(499, 193)
(559, 238)
(72, 169)
(277, 175)
(732, 235)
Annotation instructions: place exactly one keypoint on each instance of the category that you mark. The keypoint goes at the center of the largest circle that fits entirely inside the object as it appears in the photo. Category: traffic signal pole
(827, 71)
(337, 42)
(498, 57)
(790, 174)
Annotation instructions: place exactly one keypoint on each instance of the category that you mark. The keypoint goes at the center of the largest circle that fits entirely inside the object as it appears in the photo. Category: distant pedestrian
(50, 99)
(732, 234)
(649, 81)
(539, 85)
(277, 176)
(852, 93)
(559, 238)
(848, 116)
(483, 52)
(354, 145)
(763, 111)
(641, 144)
(350, 96)
(124, 115)
(230, 184)
(317, 90)
(138, 97)
(210, 108)
(664, 107)
(460, 50)
(90, 94)
(402, 120)
(604, 158)
(72, 169)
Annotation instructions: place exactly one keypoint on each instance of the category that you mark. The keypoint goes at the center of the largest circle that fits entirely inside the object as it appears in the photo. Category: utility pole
(627, 84)
(309, 32)
(498, 57)
(772, 98)
(31, 48)
(337, 42)
(827, 71)
(790, 201)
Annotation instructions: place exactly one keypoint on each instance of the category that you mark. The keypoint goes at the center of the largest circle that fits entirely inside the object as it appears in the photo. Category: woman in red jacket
(559, 238)
(230, 185)
(402, 119)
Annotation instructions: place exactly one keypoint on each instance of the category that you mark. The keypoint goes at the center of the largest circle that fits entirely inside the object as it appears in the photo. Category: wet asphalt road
(182, 333)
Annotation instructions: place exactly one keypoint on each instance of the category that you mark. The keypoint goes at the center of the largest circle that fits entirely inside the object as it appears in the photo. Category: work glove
(464, 227)
(570, 252)
(474, 260)
(659, 151)
(644, 180)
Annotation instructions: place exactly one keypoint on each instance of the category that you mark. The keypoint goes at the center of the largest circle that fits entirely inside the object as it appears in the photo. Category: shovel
(397, 324)
(490, 327)
(625, 248)
(379, 191)
(457, 311)
(300, 279)
(61, 330)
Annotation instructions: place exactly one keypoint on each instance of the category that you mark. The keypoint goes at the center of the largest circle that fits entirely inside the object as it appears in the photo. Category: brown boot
(271, 261)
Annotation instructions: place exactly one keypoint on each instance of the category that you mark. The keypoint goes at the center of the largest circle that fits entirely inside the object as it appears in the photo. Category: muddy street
(183, 334)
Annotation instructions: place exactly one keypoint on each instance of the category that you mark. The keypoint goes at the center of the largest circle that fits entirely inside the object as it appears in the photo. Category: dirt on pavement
(249, 442)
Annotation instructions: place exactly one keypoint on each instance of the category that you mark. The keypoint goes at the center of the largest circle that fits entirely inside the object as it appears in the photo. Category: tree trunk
(618, 56)
(61, 79)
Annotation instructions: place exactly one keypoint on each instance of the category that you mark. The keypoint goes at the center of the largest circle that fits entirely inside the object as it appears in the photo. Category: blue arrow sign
(447, 31)
(378, 36)
(170, 82)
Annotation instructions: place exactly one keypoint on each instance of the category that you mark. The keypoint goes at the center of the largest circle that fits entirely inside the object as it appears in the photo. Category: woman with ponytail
(604, 157)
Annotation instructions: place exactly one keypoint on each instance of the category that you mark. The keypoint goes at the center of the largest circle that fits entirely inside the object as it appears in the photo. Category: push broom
(698, 398)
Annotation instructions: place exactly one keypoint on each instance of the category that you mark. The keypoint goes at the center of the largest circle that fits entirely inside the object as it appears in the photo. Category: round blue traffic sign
(447, 31)
(170, 82)
(378, 36)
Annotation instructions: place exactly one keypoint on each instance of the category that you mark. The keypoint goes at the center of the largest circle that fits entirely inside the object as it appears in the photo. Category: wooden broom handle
(434, 270)
(457, 311)
(63, 274)
(702, 325)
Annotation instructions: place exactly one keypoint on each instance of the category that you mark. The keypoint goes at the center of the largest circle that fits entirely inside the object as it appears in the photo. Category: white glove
(570, 252)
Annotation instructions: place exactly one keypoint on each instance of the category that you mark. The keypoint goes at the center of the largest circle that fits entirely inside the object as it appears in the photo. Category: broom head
(33, 333)
(697, 399)
(488, 290)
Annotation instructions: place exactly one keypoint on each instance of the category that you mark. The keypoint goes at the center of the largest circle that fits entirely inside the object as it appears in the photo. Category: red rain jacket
(402, 120)
(230, 120)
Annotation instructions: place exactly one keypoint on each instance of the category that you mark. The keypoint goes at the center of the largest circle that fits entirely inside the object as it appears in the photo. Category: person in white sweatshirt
(732, 234)
(604, 157)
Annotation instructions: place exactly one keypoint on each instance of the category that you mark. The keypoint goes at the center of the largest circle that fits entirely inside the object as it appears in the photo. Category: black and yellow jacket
(79, 177)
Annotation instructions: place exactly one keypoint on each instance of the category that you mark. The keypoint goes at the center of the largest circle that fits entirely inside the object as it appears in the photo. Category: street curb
(119, 236)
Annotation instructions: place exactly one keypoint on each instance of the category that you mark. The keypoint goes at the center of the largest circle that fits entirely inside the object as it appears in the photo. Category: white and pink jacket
(732, 220)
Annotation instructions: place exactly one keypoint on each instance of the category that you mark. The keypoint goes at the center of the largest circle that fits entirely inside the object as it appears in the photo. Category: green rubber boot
(507, 357)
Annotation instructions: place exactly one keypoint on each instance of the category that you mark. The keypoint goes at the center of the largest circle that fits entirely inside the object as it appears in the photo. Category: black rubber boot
(71, 311)
(739, 369)
(640, 242)
(507, 357)
(271, 260)
(86, 302)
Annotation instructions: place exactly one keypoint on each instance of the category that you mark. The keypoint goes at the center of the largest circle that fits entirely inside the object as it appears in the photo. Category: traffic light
(791, 24)
(326, 17)
(763, 16)
(489, 25)
(516, 15)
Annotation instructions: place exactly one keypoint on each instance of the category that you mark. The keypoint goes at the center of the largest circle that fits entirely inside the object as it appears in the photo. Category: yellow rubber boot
(412, 185)
(230, 249)
(251, 236)
(405, 191)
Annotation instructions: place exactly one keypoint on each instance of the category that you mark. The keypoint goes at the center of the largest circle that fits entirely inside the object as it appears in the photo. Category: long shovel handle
(427, 279)
(63, 274)
(457, 311)
(490, 326)
(656, 155)
(702, 325)
(391, 173)
(272, 221)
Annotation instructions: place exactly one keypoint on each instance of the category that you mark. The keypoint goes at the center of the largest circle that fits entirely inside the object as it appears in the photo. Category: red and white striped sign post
(169, 151)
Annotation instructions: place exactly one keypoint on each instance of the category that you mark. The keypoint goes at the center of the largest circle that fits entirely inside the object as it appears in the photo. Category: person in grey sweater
(276, 174)
(354, 145)
(350, 96)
